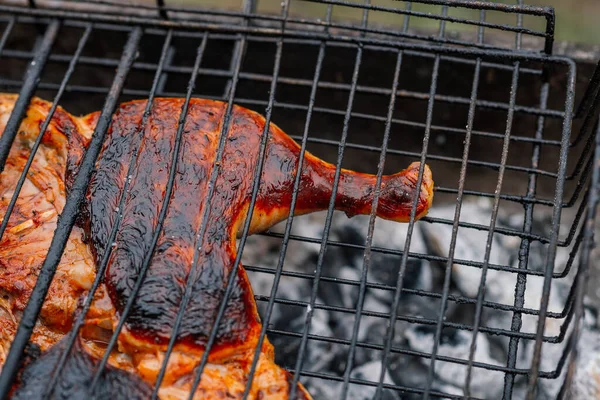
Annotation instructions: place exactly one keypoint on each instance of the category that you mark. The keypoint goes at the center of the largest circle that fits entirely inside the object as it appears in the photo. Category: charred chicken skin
(202, 259)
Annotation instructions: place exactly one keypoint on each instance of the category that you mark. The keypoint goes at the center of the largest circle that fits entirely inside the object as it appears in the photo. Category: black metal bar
(369, 239)
(512, 198)
(494, 166)
(164, 208)
(519, 299)
(584, 264)
(192, 276)
(162, 82)
(490, 236)
(264, 39)
(160, 4)
(484, 164)
(30, 83)
(288, 228)
(371, 226)
(422, 293)
(415, 320)
(520, 286)
(207, 15)
(368, 247)
(459, 200)
(45, 124)
(161, 217)
(588, 125)
(591, 92)
(581, 181)
(550, 24)
(66, 221)
(255, 186)
(570, 301)
(576, 220)
(419, 256)
(566, 384)
(6, 33)
(572, 254)
(404, 260)
(101, 268)
(330, 208)
(406, 94)
(305, 82)
(106, 62)
(287, 233)
(248, 7)
(356, 115)
(189, 25)
(551, 255)
(395, 350)
(478, 5)
(446, 18)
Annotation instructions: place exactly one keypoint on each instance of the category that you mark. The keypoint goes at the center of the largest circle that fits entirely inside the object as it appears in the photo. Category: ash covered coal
(337, 299)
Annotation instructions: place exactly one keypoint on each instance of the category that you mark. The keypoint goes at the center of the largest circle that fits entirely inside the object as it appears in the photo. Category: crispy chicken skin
(26, 240)
(150, 322)
(175, 260)
(182, 255)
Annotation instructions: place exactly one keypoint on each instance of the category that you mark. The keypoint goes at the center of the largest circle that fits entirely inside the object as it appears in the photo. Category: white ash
(484, 383)
(586, 379)
(411, 371)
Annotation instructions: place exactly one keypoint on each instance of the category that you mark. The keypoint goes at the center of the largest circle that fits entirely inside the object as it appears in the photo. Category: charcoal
(421, 275)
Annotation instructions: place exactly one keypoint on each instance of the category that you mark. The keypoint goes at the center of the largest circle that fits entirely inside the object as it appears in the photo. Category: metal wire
(362, 290)
(31, 79)
(249, 14)
(493, 105)
(459, 201)
(583, 273)
(160, 4)
(101, 269)
(67, 221)
(192, 276)
(43, 128)
(255, 187)
(490, 237)
(328, 220)
(516, 322)
(535, 364)
(6, 33)
(228, 36)
(436, 51)
(248, 7)
(267, 31)
(161, 217)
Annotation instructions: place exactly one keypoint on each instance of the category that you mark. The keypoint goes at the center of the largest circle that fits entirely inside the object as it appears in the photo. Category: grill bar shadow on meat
(149, 325)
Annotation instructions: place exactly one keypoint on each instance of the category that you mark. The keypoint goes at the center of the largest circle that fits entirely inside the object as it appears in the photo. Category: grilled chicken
(196, 245)
(26, 241)
(31, 225)
(197, 242)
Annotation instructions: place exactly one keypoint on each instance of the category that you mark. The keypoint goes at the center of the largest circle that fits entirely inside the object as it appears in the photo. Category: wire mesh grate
(496, 119)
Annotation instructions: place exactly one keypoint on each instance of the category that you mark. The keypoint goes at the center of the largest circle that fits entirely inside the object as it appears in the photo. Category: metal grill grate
(327, 83)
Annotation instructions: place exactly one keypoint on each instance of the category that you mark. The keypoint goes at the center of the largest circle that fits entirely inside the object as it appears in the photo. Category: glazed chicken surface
(31, 225)
(196, 244)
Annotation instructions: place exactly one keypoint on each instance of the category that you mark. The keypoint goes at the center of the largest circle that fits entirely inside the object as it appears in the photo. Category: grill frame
(587, 111)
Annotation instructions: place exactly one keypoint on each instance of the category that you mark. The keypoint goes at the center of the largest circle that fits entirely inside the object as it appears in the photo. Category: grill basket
(469, 87)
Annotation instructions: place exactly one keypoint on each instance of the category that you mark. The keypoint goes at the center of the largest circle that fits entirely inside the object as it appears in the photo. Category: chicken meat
(195, 250)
